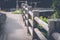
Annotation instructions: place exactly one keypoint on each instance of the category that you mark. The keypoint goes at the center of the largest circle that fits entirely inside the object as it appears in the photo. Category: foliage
(40, 27)
(55, 15)
(43, 19)
(56, 7)
(17, 12)
(55, 3)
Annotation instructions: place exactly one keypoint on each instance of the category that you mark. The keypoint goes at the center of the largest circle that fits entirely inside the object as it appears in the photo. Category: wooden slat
(24, 12)
(56, 36)
(39, 34)
(43, 24)
(31, 22)
(23, 6)
(30, 30)
(43, 10)
(23, 17)
(26, 15)
(26, 8)
(26, 22)
(31, 13)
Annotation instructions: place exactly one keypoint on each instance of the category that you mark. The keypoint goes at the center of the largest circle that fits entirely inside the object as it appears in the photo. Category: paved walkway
(15, 27)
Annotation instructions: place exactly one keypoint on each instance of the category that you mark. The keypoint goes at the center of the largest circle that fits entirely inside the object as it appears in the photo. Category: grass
(17, 11)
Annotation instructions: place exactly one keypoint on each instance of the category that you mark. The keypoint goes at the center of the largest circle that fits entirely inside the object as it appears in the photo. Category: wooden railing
(32, 20)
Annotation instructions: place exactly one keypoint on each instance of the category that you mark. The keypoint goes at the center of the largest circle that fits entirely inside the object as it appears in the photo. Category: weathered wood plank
(24, 12)
(44, 25)
(40, 35)
(31, 22)
(30, 30)
(26, 15)
(31, 13)
(43, 10)
(25, 8)
(56, 36)
(26, 21)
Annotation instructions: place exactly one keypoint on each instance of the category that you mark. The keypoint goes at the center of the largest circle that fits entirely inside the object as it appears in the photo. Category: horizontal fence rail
(40, 35)
(42, 10)
(44, 25)
(33, 21)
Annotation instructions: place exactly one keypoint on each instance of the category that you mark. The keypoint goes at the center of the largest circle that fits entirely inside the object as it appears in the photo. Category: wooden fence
(31, 20)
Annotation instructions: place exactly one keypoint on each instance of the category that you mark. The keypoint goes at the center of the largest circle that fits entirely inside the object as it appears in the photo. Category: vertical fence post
(25, 12)
(54, 26)
(27, 20)
(29, 17)
(22, 10)
(25, 16)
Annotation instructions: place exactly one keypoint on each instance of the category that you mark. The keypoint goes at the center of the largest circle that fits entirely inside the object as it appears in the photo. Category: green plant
(54, 16)
(17, 11)
(55, 4)
(40, 26)
(43, 19)
(56, 7)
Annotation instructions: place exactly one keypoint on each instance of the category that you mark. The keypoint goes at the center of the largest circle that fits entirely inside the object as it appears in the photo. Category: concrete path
(15, 27)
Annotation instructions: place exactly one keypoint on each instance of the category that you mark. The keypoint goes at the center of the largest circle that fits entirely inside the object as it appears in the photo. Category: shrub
(56, 7)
